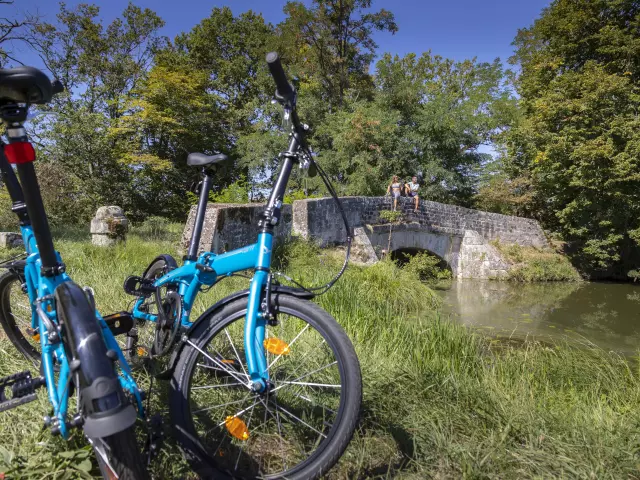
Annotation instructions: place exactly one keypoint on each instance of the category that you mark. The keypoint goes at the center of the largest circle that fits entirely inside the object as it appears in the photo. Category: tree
(447, 111)
(13, 30)
(579, 138)
(332, 41)
(100, 67)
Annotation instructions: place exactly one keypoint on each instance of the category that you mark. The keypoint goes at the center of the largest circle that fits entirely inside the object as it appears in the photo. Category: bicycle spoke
(290, 344)
(313, 402)
(312, 384)
(304, 376)
(248, 426)
(237, 414)
(219, 364)
(302, 421)
(205, 387)
(307, 353)
(223, 405)
(235, 351)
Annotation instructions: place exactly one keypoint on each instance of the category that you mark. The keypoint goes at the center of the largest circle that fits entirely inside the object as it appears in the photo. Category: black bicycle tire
(320, 461)
(9, 325)
(125, 445)
(127, 461)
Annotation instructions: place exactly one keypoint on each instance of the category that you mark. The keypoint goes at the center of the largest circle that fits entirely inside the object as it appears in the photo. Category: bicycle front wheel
(300, 427)
(118, 456)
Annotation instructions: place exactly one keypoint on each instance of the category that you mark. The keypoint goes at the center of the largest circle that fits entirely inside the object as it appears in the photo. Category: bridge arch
(414, 237)
(403, 255)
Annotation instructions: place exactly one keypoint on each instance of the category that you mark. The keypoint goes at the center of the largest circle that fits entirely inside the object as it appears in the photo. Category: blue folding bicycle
(264, 384)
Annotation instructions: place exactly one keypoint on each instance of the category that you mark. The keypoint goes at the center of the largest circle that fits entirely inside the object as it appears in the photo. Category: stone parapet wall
(320, 219)
(229, 226)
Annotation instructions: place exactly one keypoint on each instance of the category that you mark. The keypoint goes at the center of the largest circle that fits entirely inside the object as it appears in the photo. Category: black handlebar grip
(277, 72)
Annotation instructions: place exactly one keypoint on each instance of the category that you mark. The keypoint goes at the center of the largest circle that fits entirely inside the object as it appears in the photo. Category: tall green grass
(439, 400)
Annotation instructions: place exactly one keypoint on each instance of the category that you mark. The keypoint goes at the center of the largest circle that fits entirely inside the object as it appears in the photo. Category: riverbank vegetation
(532, 264)
(440, 401)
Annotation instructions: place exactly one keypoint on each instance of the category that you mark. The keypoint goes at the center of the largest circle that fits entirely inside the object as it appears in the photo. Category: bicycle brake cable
(322, 289)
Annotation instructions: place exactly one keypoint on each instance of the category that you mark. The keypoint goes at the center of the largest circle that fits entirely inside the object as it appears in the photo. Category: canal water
(604, 314)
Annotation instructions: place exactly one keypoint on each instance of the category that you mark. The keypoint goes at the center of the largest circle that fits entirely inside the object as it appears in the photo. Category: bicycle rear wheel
(297, 430)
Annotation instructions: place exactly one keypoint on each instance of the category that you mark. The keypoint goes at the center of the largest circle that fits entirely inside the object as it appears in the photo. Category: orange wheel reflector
(141, 351)
(224, 360)
(36, 337)
(237, 428)
(276, 346)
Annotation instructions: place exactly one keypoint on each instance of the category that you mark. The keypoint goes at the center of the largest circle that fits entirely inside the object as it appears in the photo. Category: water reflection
(606, 314)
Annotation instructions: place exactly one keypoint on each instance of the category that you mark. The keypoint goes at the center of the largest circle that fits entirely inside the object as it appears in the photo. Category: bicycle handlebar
(283, 86)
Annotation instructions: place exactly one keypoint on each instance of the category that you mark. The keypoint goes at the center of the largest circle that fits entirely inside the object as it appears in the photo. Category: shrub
(390, 216)
(427, 267)
(530, 264)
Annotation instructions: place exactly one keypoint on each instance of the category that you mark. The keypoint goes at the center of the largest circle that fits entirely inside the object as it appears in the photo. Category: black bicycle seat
(26, 85)
(200, 159)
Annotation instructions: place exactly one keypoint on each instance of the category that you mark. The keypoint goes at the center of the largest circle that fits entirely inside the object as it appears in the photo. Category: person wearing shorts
(412, 190)
(394, 189)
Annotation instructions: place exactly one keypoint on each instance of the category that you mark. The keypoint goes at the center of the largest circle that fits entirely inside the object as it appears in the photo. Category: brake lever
(308, 164)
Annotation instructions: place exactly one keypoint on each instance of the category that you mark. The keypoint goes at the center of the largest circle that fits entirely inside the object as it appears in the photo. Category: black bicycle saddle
(27, 85)
(200, 159)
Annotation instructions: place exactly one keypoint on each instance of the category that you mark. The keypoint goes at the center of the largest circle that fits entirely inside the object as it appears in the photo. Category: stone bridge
(460, 236)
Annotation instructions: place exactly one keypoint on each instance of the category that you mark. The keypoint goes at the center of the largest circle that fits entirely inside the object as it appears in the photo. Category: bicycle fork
(254, 329)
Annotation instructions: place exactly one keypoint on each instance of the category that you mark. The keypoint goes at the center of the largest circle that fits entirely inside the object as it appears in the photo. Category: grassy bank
(439, 401)
(531, 264)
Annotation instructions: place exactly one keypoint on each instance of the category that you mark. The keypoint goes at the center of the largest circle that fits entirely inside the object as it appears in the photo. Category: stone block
(229, 226)
(109, 226)
(10, 240)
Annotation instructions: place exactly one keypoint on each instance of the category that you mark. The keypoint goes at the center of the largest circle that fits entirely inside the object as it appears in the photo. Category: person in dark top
(394, 190)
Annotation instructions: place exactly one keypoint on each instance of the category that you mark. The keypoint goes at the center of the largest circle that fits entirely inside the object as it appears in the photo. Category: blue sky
(457, 29)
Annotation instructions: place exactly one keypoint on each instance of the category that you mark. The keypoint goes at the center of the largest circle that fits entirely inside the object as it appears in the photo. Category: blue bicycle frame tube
(189, 279)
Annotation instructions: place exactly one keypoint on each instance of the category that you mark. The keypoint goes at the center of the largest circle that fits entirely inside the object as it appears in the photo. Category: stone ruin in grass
(109, 226)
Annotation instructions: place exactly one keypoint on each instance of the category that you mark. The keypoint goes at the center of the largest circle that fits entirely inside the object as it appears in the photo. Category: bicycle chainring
(168, 323)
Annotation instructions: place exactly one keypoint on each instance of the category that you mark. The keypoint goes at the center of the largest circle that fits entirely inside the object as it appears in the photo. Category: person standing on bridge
(394, 189)
(412, 191)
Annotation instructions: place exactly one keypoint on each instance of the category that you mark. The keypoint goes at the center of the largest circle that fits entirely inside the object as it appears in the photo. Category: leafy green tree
(579, 138)
(362, 147)
(331, 42)
(101, 67)
(442, 112)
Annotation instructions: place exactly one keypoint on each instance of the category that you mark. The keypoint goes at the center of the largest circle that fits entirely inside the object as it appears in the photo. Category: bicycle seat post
(192, 253)
(20, 152)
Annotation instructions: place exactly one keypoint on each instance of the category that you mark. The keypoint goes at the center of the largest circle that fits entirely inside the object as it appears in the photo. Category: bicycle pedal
(119, 323)
(21, 386)
(138, 286)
